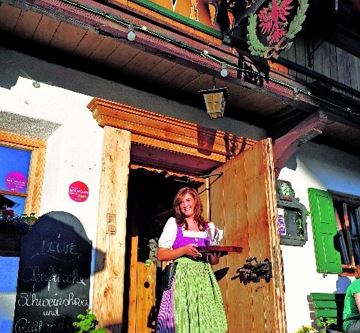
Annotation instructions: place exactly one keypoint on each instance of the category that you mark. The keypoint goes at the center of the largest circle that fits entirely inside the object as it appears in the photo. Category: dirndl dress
(194, 302)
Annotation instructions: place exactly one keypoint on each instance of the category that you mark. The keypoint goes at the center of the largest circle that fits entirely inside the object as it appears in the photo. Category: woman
(194, 303)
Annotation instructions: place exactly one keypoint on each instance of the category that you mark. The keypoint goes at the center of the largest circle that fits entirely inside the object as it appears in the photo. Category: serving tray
(219, 248)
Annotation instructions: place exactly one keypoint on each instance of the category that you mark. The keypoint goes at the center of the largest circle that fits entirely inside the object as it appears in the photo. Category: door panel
(142, 274)
(145, 297)
(243, 203)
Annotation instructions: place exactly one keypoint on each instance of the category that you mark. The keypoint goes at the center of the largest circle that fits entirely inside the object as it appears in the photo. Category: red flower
(8, 212)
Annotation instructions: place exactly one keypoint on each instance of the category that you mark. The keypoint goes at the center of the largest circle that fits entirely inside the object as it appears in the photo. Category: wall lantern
(215, 101)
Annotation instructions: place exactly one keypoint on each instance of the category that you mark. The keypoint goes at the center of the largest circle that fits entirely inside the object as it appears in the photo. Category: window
(336, 229)
(14, 172)
(21, 173)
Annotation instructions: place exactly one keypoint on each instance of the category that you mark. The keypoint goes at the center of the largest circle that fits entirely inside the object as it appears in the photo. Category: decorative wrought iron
(254, 271)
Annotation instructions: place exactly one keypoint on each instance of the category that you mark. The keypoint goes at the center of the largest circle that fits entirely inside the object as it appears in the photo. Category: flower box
(12, 228)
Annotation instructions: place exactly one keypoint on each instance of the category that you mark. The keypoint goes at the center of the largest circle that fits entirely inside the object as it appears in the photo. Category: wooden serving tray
(219, 248)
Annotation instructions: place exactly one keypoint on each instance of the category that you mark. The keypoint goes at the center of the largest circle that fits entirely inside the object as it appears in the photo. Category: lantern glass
(215, 101)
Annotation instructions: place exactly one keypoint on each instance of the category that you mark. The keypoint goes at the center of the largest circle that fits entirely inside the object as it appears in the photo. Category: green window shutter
(328, 259)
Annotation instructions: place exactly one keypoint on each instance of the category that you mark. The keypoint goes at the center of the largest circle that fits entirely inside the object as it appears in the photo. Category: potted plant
(86, 323)
(307, 329)
(323, 324)
(10, 222)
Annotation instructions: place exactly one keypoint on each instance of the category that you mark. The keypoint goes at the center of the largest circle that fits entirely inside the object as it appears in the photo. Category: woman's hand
(214, 258)
(191, 251)
(169, 254)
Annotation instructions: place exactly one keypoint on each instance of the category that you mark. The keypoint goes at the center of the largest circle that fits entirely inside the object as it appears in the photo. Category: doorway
(150, 196)
(242, 202)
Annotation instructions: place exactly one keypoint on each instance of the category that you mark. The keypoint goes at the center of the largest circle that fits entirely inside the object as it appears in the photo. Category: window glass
(14, 169)
(17, 204)
(9, 267)
(348, 222)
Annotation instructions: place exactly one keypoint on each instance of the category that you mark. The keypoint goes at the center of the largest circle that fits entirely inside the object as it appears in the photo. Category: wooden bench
(328, 307)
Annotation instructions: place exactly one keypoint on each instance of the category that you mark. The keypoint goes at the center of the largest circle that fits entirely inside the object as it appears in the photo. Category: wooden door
(142, 277)
(145, 297)
(142, 293)
(243, 203)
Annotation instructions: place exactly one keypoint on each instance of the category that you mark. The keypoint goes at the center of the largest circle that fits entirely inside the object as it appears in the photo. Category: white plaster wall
(73, 154)
(323, 168)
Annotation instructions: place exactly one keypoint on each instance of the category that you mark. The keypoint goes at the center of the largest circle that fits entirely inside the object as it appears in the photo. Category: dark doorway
(150, 197)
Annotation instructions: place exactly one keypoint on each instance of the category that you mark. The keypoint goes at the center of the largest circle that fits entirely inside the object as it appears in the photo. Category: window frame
(9, 242)
(349, 200)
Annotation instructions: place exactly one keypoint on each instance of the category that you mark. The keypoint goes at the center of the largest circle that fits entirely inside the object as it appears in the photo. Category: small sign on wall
(78, 191)
(281, 222)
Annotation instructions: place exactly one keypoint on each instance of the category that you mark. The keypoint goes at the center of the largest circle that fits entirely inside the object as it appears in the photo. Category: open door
(243, 203)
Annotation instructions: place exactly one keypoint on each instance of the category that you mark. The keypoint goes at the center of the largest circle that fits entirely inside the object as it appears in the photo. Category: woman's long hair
(198, 209)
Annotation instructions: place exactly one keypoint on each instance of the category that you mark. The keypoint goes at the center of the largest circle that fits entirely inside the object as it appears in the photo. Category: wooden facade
(325, 59)
(311, 90)
(190, 17)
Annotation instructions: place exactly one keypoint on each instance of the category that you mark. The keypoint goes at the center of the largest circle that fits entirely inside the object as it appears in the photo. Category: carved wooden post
(111, 229)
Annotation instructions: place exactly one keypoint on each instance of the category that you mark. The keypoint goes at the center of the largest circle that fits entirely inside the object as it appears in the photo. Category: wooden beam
(111, 230)
(285, 146)
(170, 134)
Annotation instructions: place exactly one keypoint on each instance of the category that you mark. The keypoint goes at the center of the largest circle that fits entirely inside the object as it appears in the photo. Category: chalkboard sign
(54, 273)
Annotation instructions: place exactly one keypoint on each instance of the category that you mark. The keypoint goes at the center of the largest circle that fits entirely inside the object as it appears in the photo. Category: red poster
(16, 181)
(78, 191)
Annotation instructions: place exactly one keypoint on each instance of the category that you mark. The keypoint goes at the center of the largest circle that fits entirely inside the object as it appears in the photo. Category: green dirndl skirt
(198, 304)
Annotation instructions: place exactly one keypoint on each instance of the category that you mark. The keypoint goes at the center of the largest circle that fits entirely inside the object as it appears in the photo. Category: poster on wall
(54, 275)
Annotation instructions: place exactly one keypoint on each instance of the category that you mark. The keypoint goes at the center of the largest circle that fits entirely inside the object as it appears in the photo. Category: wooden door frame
(126, 127)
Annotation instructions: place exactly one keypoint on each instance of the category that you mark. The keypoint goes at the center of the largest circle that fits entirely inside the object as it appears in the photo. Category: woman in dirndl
(193, 304)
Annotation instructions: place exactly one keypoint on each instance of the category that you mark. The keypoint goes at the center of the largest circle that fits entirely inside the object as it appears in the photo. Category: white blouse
(168, 235)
